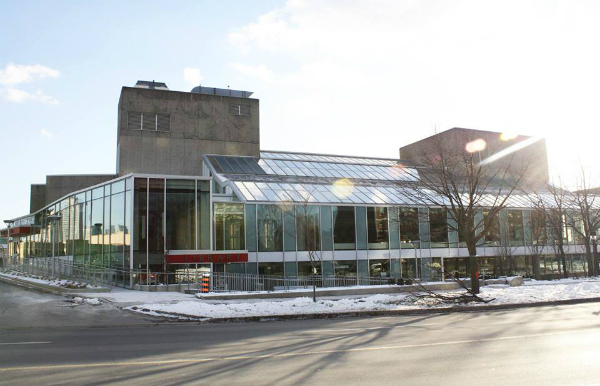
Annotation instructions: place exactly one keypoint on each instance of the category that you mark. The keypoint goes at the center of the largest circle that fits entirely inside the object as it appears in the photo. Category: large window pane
(394, 229)
(117, 229)
(96, 236)
(251, 227)
(409, 226)
(127, 229)
(181, 219)
(515, 227)
(106, 231)
(140, 223)
(492, 230)
(326, 229)
(377, 225)
(229, 226)
(361, 228)
(270, 229)
(307, 224)
(344, 231)
(345, 267)
(156, 208)
(438, 226)
(289, 236)
(203, 215)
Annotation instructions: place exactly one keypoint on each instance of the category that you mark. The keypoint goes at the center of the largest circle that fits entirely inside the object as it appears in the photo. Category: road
(533, 346)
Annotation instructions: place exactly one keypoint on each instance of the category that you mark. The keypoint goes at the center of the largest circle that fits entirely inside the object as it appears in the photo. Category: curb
(48, 288)
(373, 313)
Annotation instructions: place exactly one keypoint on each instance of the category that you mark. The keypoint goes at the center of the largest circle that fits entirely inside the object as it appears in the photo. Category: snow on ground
(46, 280)
(503, 294)
(126, 297)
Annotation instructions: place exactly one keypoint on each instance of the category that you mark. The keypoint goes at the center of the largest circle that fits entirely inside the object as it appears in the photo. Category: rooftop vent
(151, 84)
(221, 92)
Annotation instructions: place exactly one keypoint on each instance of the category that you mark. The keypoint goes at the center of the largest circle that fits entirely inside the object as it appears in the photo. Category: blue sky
(345, 77)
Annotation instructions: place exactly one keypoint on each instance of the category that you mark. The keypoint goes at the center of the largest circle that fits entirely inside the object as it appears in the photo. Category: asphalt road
(535, 346)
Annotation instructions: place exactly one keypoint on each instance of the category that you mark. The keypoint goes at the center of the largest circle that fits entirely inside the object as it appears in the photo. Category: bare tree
(462, 182)
(306, 231)
(553, 201)
(585, 219)
(537, 244)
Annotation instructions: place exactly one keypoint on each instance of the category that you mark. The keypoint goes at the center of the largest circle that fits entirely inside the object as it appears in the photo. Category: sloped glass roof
(278, 192)
(327, 158)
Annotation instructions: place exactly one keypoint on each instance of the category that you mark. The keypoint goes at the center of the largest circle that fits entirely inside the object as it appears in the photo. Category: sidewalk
(181, 306)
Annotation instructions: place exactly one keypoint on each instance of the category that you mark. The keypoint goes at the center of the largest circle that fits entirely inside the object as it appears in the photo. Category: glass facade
(181, 215)
(163, 214)
(344, 229)
(270, 228)
(229, 226)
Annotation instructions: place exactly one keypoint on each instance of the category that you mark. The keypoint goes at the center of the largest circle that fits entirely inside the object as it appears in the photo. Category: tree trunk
(589, 258)
(473, 267)
(314, 288)
(564, 264)
(535, 261)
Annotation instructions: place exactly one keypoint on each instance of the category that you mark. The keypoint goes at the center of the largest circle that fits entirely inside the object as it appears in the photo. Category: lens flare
(508, 136)
(343, 188)
(476, 145)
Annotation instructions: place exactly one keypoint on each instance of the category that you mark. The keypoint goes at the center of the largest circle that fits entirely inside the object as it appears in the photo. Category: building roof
(278, 177)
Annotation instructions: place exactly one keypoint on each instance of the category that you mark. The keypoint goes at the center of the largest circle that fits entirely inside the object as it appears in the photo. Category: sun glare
(507, 136)
(342, 188)
(476, 145)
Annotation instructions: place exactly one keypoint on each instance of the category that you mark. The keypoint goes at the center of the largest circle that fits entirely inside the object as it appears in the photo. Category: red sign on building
(219, 258)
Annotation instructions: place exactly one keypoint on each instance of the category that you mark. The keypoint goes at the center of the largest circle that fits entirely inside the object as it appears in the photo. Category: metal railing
(182, 280)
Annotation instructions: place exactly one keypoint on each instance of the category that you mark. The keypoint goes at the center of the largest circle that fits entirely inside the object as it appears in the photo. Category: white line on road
(9, 343)
(254, 356)
(372, 328)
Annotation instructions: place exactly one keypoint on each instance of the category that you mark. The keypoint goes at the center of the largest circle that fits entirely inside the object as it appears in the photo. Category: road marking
(372, 328)
(12, 343)
(250, 356)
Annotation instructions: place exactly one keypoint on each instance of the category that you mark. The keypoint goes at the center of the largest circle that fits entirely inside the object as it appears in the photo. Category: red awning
(219, 258)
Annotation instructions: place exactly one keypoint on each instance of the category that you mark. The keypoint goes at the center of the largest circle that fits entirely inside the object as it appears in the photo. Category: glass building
(353, 214)
(177, 203)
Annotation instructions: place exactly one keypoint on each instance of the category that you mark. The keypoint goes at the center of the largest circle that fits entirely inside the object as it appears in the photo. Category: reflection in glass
(181, 219)
(377, 225)
(229, 226)
(344, 231)
(270, 229)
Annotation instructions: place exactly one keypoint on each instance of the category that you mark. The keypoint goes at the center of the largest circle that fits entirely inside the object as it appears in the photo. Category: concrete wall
(200, 124)
(37, 199)
(534, 157)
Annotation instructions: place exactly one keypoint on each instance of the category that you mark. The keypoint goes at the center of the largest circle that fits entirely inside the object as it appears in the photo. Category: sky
(336, 77)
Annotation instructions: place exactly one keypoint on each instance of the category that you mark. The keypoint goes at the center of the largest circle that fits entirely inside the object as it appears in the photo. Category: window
(344, 232)
(148, 121)
(181, 219)
(438, 228)
(491, 228)
(377, 227)
(515, 227)
(270, 229)
(409, 227)
(240, 110)
(308, 229)
(229, 227)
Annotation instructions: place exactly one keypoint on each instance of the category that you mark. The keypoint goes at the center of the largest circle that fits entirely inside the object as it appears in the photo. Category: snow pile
(47, 280)
(92, 302)
(502, 294)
